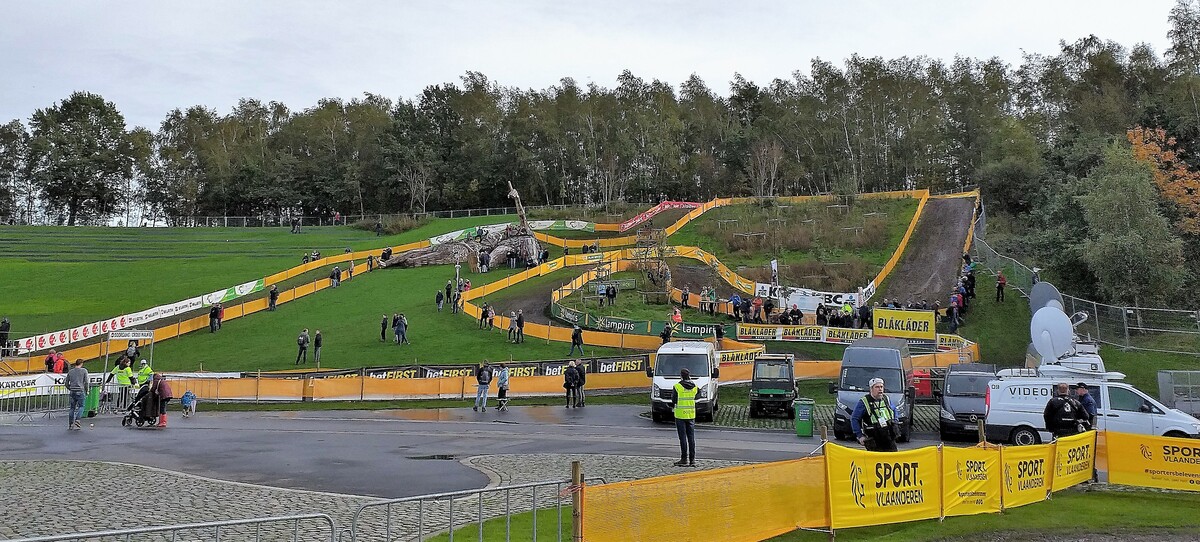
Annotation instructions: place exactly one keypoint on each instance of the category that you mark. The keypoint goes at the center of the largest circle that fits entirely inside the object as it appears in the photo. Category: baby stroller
(143, 410)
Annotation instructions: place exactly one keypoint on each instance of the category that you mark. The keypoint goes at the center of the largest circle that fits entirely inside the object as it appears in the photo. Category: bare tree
(420, 186)
(766, 156)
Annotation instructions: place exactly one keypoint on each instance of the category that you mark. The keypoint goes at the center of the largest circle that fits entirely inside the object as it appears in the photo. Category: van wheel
(1024, 436)
(904, 437)
(656, 417)
(1176, 434)
(753, 410)
(791, 412)
(838, 435)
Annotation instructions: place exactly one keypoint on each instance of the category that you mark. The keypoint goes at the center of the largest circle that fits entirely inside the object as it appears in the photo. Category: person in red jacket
(162, 393)
(1001, 282)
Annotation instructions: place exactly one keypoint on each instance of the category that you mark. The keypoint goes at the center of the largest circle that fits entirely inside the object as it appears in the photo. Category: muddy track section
(534, 303)
(933, 258)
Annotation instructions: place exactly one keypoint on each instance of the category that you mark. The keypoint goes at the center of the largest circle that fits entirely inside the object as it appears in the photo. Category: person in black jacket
(1064, 415)
(4, 327)
(520, 326)
(383, 325)
(483, 377)
(317, 347)
(571, 384)
(576, 340)
(272, 297)
(214, 314)
(581, 367)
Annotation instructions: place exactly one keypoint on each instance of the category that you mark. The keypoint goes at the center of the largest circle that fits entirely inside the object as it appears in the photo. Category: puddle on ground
(441, 457)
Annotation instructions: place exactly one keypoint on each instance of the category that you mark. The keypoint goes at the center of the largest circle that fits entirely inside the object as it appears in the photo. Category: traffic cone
(162, 420)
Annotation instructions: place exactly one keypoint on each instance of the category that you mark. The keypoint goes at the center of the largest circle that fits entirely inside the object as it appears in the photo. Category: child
(189, 403)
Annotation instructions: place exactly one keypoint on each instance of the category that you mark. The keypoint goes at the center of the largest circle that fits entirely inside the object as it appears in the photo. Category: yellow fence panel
(876, 488)
(970, 480)
(1074, 460)
(1027, 473)
(747, 503)
(1149, 461)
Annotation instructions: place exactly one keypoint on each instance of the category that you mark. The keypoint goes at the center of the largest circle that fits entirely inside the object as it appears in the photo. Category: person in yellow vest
(878, 433)
(684, 407)
(123, 374)
(143, 374)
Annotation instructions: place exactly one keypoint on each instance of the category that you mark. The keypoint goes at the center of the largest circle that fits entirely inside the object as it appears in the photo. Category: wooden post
(576, 501)
(982, 433)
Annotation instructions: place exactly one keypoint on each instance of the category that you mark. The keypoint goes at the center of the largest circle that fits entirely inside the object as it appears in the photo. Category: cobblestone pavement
(113, 496)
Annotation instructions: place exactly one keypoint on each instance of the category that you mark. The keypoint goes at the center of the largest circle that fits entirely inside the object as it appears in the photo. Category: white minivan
(703, 364)
(1015, 408)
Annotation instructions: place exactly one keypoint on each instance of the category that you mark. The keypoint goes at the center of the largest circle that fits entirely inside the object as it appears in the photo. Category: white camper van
(701, 361)
(1015, 408)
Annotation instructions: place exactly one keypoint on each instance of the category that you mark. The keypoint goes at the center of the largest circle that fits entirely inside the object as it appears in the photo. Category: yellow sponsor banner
(757, 332)
(875, 488)
(951, 342)
(1074, 460)
(802, 333)
(841, 335)
(1027, 473)
(741, 356)
(970, 480)
(1148, 461)
(904, 324)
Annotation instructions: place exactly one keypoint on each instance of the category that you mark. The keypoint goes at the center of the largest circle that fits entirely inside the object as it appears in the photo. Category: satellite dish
(1052, 334)
(1044, 294)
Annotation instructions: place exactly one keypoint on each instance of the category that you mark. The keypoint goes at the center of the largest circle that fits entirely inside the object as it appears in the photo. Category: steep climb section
(930, 264)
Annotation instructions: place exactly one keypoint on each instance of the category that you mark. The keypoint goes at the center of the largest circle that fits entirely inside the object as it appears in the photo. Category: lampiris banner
(685, 330)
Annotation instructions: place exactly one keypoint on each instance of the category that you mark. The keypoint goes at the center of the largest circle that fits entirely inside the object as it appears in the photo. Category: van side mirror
(650, 371)
(832, 387)
(716, 372)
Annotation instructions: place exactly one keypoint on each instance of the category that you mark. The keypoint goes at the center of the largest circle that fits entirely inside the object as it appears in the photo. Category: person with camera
(874, 420)
(1064, 414)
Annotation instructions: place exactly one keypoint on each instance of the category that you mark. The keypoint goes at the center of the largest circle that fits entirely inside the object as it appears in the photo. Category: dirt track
(934, 255)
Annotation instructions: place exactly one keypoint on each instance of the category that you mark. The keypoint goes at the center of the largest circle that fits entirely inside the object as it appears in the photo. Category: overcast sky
(151, 56)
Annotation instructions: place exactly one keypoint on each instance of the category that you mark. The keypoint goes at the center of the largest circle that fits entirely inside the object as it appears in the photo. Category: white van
(1015, 408)
(701, 360)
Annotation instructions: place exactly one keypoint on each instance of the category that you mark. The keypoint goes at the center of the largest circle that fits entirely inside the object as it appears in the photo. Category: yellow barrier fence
(844, 488)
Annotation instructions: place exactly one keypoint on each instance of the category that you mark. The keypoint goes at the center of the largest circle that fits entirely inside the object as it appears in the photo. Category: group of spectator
(314, 256)
(216, 315)
(399, 325)
(607, 291)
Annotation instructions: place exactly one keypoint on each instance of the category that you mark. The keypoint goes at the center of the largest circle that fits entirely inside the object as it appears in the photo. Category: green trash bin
(91, 404)
(804, 417)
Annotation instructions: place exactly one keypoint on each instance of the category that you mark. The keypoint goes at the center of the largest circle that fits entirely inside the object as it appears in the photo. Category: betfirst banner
(970, 480)
(1027, 473)
(804, 298)
(65, 337)
(1074, 460)
(1148, 461)
(872, 488)
(904, 324)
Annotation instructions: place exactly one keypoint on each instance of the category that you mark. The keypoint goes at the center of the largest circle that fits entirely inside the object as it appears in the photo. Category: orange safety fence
(843, 488)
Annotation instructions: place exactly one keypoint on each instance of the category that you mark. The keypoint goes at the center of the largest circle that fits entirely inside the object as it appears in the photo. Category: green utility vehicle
(773, 388)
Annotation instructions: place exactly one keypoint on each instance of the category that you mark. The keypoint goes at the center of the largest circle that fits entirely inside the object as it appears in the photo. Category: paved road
(347, 451)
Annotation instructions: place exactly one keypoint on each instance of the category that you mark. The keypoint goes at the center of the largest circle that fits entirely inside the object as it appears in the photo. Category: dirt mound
(933, 258)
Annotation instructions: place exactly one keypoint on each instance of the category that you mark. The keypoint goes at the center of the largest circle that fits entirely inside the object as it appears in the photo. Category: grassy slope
(900, 213)
(348, 318)
(58, 277)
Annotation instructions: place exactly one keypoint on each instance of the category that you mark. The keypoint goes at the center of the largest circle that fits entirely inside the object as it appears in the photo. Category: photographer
(879, 434)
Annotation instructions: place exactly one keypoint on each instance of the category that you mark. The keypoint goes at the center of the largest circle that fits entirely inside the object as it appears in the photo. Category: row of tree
(1032, 136)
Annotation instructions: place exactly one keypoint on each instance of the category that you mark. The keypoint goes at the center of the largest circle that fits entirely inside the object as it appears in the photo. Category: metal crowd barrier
(415, 518)
(252, 530)
(27, 403)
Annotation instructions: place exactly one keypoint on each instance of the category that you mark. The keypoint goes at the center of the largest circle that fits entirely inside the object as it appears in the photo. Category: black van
(963, 399)
(863, 360)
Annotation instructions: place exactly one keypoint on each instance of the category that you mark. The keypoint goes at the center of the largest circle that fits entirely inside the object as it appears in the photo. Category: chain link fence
(1159, 330)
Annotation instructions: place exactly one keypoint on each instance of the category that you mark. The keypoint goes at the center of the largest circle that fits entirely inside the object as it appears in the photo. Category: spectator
(735, 303)
(317, 347)
(335, 277)
(491, 317)
(865, 316)
(77, 384)
(602, 293)
(378, 229)
(612, 294)
(162, 393)
(581, 367)
(512, 327)
(439, 299)
(676, 316)
(483, 379)
(302, 346)
(272, 297)
(383, 325)
(189, 403)
(402, 330)
(502, 388)
(144, 373)
(520, 325)
(576, 340)
(571, 384)
(756, 310)
(50, 356)
(719, 335)
(1001, 282)
(370, 262)
(768, 307)
(822, 315)
(220, 315)
(687, 292)
(665, 334)
(5, 350)
(214, 312)
(483, 313)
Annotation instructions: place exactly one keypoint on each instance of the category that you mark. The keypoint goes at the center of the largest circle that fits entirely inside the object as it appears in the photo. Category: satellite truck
(1017, 398)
